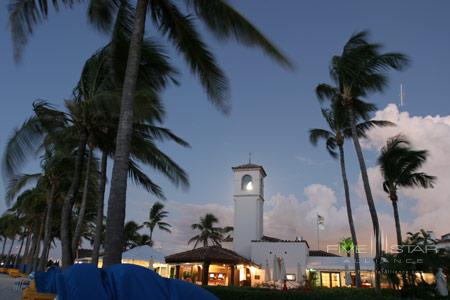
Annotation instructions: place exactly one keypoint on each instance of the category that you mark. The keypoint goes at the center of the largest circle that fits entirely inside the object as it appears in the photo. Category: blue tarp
(118, 282)
(46, 281)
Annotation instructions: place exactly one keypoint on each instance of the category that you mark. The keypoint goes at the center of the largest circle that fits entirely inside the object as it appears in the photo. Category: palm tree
(3, 233)
(399, 165)
(359, 70)
(208, 232)
(99, 90)
(347, 245)
(339, 130)
(144, 240)
(131, 235)
(155, 219)
(98, 117)
(180, 29)
(422, 237)
(30, 209)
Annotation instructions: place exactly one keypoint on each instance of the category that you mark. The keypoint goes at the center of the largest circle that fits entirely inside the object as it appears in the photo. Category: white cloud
(288, 216)
(429, 206)
(285, 217)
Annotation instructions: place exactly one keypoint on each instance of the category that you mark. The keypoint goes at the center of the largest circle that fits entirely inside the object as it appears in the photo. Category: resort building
(249, 256)
(214, 265)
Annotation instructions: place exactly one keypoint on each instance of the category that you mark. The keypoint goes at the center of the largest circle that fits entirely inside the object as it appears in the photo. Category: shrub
(246, 293)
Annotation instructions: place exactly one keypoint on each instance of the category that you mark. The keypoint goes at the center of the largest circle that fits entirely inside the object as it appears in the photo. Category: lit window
(290, 277)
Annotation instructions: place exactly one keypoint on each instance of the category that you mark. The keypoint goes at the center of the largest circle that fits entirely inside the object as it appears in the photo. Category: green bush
(235, 293)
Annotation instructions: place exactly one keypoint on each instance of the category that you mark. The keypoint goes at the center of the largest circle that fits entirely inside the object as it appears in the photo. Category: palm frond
(148, 153)
(160, 134)
(101, 13)
(24, 15)
(17, 183)
(326, 92)
(317, 134)
(181, 31)
(362, 128)
(139, 177)
(226, 22)
(21, 144)
(420, 179)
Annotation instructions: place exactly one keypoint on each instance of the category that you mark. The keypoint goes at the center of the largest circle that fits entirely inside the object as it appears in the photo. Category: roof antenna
(249, 157)
(402, 96)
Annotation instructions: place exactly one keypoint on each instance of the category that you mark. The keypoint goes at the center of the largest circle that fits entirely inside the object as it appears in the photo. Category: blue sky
(272, 107)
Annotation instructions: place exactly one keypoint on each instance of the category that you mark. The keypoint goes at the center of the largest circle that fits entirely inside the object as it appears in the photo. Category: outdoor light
(249, 186)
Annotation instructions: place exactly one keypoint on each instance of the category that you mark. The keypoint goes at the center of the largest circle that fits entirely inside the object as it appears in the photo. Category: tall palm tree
(98, 117)
(99, 90)
(208, 232)
(11, 230)
(399, 165)
(339, 130)
(30, 207)
(180, 29)
(3, 233)
(155, 219)
(358, 71)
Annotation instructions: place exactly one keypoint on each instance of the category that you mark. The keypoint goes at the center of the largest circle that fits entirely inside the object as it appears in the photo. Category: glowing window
(247, 183)
(290, 277)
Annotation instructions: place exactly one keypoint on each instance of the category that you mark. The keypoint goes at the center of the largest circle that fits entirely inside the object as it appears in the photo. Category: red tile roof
(213, 254)
(322, 253)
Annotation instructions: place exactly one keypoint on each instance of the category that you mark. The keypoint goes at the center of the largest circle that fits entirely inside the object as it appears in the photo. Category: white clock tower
(248, 206)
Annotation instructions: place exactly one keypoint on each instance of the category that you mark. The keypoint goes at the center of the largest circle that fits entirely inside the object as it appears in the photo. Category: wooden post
(231, 280)
(177, 271)
(205, 274)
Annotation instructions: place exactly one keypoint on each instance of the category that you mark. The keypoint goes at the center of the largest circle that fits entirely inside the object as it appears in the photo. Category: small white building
(147, 257)
(444, 242)
(249, 241)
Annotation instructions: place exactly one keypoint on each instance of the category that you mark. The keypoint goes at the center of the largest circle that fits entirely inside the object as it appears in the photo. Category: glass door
(335, 280)
(329, 279)
(325, 279)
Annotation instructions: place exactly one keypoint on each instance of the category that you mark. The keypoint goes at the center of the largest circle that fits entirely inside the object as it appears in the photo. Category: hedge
(230, 293)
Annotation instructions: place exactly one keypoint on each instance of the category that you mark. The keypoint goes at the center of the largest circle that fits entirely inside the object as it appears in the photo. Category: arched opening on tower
(247, 183)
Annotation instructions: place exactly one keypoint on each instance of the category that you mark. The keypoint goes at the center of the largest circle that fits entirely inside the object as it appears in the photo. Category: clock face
(247, 183)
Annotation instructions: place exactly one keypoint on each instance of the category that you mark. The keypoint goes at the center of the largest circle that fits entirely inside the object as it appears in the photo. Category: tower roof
(250, 167)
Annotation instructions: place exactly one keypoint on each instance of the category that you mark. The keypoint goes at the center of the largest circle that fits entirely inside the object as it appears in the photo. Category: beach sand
(6, 288)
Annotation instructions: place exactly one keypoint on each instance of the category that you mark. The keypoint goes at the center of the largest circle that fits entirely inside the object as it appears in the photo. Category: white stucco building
(444, 242)
(249, 241)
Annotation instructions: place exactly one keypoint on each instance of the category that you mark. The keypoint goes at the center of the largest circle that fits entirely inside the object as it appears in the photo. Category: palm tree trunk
(8, 257)
(350, 218)
(38, 244)
(77, 233)
(397, 222)
(398, 229)
(20, 250)
(370, 202)
(66, 213)
(48, 247)
(151, 237)
(30, 254)
(5, 239)
(27, 248)
(100, 207)
(47, 228)
(117, 195)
